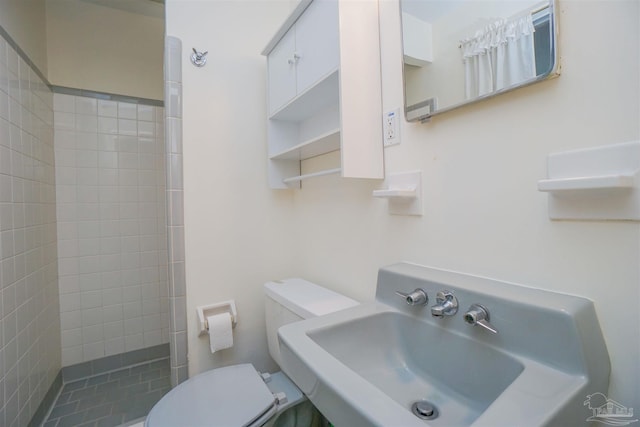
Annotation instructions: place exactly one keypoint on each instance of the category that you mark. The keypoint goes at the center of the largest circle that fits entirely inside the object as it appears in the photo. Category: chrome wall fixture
(199, 59)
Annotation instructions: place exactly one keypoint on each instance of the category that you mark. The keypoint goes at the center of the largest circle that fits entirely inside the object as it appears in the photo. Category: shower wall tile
(174, 208)
(29, 307)
(111, 227)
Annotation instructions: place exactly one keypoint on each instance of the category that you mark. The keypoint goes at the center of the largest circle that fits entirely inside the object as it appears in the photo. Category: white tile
(114, 329)
(114, 346)
(72, 355)
(133, 342)
(91, 333)
(173, 99)
(173, 128)
(146, 129)
(86, 123)
(87, 140)
(108, 160)
(108, 177)
(127, 110)
(107, 142)
(111, 279)
(87, 247)
(71, 319)
(128, 144)
(146, 145)
(87, 194)
(107, 108)
(86, 105)
(62, 120)
(70, 302)
(63, 103)
(86, 159)
(87, 176)
(133, 326)
(90, 282)
(93, 350)
(128, 160)
(91, 300)
(108, 125)
(111, 297)
(71, 338)
(152, 338)
(128, 177)
(88, 264)
(146, 113)
(127, 127)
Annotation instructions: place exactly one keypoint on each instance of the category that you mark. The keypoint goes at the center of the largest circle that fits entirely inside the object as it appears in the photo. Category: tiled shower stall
(87, 284)
(110, 187)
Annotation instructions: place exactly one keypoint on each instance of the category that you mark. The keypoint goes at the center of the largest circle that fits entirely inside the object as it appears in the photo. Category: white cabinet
(307, 53)
(324, 91)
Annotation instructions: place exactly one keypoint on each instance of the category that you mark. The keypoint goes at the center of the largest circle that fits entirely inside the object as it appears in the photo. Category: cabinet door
(282, 72)
(317, 42)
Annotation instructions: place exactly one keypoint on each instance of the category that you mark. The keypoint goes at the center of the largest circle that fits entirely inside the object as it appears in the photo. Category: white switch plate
(391, 127)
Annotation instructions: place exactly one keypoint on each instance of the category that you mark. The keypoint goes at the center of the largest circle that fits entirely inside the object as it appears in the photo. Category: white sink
(367, 365)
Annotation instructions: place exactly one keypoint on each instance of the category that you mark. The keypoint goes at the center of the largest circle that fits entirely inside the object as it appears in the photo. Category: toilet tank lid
(306, 299)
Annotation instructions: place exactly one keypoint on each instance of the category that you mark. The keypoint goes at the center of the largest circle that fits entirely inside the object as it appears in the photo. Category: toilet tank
(292, 300)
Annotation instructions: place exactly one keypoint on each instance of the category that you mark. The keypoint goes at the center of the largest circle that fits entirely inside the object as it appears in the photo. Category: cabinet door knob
(295, 59)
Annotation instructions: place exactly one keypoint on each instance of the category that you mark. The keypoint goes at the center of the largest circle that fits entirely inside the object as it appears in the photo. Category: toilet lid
(231, 396)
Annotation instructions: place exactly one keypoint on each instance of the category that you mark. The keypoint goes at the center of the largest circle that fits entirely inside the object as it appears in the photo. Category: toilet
(238, 395)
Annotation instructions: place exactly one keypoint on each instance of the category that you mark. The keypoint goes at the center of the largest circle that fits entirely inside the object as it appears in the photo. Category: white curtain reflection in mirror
(499, 55)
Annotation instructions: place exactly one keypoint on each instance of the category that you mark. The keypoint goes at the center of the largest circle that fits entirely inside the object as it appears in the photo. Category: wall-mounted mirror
(461, 51)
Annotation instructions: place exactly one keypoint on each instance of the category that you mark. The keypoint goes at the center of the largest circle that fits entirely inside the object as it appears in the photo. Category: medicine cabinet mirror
(458, 52)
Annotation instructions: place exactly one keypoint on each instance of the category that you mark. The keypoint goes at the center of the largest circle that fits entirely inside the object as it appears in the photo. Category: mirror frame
(424, 110)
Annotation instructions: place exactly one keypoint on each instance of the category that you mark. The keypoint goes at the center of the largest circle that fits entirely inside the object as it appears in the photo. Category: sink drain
(425, 410)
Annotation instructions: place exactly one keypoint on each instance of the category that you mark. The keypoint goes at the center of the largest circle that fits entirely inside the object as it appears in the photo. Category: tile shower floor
(111, 399)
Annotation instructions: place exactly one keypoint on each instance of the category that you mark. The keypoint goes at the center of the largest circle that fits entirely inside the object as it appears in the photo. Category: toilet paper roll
(220, 331)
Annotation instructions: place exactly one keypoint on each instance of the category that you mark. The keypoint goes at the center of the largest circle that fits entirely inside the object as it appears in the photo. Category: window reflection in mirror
(461, 51)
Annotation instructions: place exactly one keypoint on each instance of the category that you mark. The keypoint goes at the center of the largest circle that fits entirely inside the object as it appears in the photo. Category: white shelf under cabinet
(308, 103)
(313, 147)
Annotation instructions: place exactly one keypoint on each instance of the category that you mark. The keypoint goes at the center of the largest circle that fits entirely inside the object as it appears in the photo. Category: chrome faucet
(417, 297)
(478, 315)
(447, 305)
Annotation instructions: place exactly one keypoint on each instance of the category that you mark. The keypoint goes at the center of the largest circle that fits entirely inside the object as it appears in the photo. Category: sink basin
(407, 368)
(368, 365)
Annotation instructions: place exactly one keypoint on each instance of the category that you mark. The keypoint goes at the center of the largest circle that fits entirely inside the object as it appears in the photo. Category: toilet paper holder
(204, 311)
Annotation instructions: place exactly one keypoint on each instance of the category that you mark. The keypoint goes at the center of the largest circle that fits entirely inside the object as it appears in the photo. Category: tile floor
(111, 399)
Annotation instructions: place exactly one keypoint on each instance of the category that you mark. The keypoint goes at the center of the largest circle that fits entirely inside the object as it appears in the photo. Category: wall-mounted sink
(369, 365)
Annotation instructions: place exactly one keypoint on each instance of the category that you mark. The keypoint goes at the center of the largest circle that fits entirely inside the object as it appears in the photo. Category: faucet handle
(417, 297)
(478, 315)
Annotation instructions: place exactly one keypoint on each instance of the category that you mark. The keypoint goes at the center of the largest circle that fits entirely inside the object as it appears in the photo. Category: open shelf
(307, 104)
(602, 182)
(296, 179)
(322, 144)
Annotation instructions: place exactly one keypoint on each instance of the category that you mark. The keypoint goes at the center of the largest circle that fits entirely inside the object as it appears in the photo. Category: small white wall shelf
(404, 192)
(600, 183)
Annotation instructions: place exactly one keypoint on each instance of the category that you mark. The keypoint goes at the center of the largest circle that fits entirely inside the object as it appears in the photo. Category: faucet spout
(447, 305)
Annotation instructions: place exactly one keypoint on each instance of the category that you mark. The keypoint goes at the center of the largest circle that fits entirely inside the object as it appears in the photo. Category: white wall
(483, 214)
(238, 233)
(106, 49)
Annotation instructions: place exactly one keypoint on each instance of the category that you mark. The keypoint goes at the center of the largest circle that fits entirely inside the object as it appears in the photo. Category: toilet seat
(230, 396)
